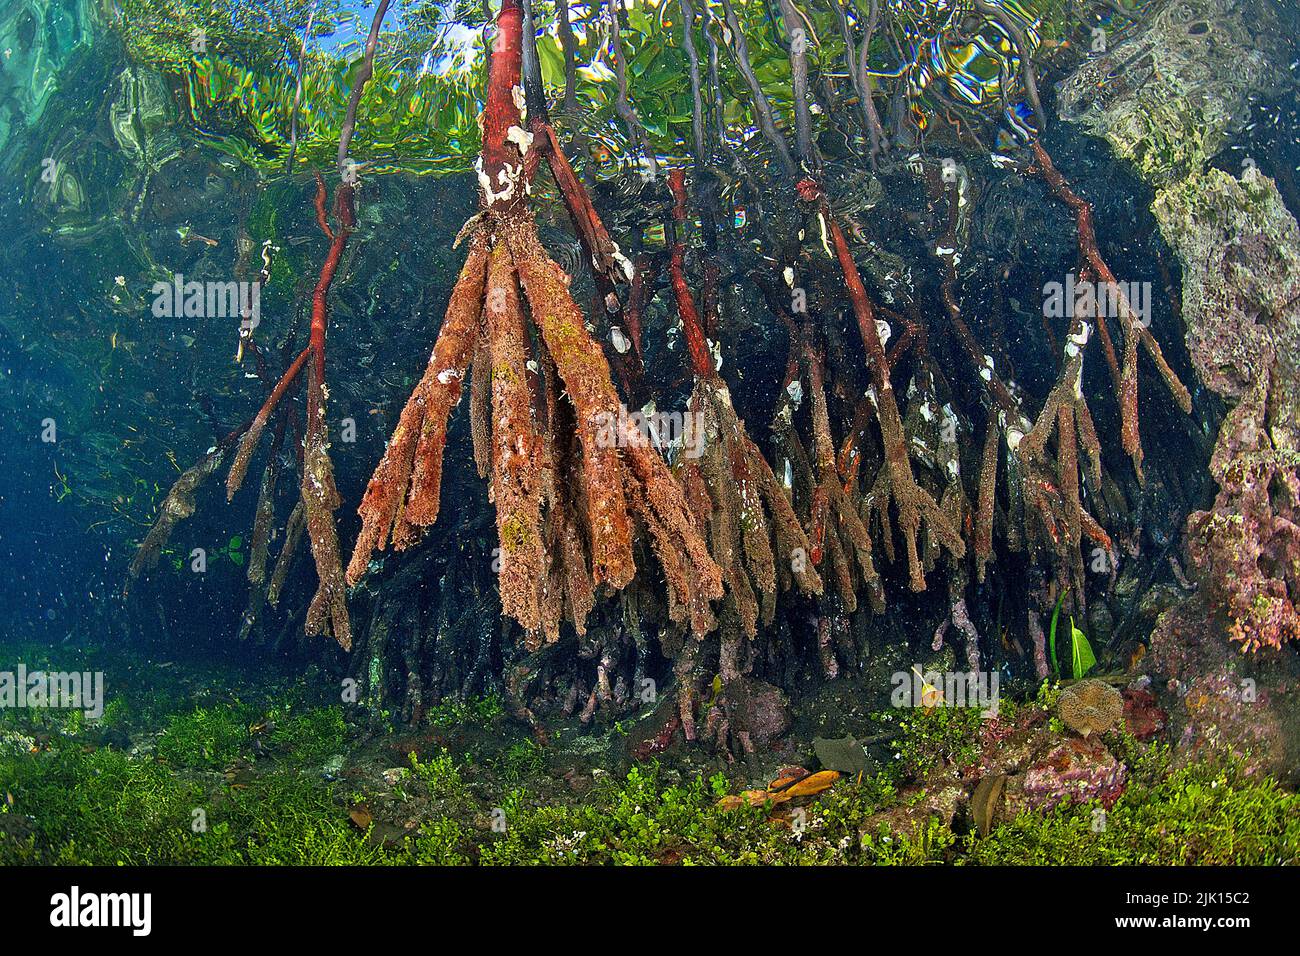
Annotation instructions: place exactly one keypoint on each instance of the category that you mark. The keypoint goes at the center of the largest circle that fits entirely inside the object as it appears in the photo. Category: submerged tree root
(619, 477)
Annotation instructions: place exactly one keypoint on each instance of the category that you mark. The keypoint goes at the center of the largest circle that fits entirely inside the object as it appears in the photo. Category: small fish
(188, 235)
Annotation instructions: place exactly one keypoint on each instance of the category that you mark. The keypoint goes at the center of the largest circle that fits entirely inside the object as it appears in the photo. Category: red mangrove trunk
(696, 343)
(319, 298)
(501, 169)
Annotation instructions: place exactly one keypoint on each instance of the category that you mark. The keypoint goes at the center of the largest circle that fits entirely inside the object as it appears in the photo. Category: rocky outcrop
(1224, 705)
(1168, 100)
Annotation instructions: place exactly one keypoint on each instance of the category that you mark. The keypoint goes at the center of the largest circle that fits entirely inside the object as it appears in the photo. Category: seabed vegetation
(277, 779)
(851, 432)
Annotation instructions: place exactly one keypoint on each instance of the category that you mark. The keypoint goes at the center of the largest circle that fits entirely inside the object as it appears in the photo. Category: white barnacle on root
(1077, 340)
(1016, 433)
(624, 263)
(522, 139)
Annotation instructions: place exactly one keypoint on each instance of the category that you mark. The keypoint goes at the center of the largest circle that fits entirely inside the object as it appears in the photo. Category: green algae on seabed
(72, 805)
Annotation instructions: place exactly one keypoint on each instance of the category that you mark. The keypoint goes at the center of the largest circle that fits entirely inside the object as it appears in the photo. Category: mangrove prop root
(509, 275)
(293, 532)
(739, 48)
(405, 489)
(319, 498)
(987, 495)
(516, 478)
(570, 591)
(1095, 269)
(179, 504)
(693, 578)
(737, 480)
(244, 454)
(914, 506)
(585, 374)
(327, 613)
(364, 72)
(838, 531)
(1055, 520)
(600, 248)
(264, 515)
(315, 351)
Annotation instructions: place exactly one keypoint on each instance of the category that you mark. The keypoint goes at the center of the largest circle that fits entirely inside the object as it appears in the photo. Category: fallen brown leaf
(361, 818)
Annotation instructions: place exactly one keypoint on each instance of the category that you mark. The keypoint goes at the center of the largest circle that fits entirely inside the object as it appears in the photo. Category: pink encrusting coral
(1248, 544)
(1075, 771)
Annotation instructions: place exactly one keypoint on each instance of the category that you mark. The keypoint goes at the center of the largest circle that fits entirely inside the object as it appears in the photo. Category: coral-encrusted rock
(1226, 714)
(934, 797)
(1225, 704)
(1091, 707)
(759, 709)
(1247, 547)
(748, 716)
(1184, 92)
(1144, 718)
(1240, 249)
(1074, 771)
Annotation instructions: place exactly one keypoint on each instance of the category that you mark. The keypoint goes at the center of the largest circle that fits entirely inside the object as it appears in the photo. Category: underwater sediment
(865, 432)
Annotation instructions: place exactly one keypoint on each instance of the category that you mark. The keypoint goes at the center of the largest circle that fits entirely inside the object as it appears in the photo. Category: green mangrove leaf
(1051, 637)
(1082, 659)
